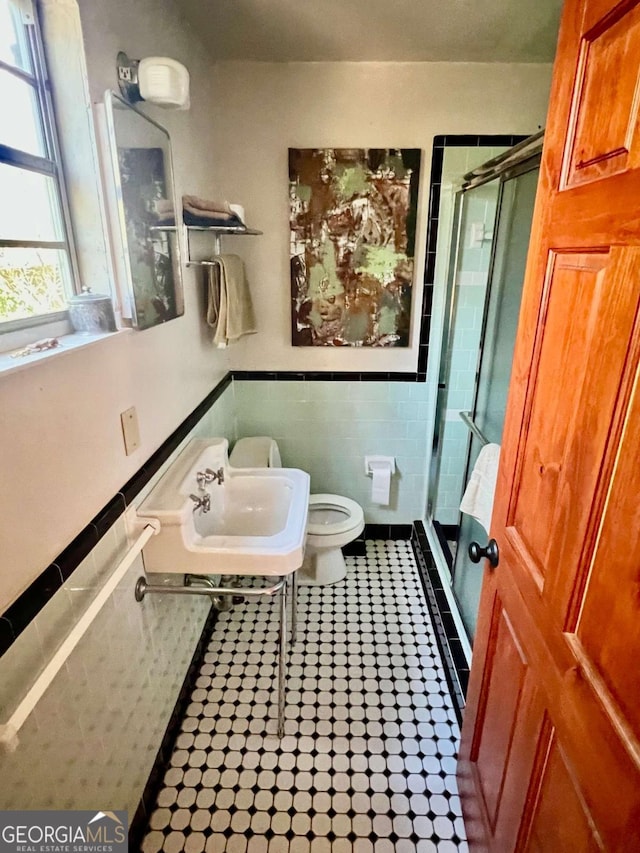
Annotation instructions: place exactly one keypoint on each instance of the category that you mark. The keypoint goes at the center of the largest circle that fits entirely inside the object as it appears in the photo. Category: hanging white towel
(229, 306)
(477, 500)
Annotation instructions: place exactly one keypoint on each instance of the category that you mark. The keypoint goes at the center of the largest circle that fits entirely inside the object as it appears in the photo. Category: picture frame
(352, 218)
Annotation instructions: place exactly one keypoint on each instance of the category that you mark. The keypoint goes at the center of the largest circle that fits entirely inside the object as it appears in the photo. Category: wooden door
(550, 753)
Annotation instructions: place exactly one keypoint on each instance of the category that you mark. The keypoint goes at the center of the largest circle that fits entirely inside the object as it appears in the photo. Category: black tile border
(358, 547)
(151, 467)
(441, 533)
(455, 663)
(154, 783)
(388, 531)
(35, 597)
(27, 606)
(326, 376)
(355, 548)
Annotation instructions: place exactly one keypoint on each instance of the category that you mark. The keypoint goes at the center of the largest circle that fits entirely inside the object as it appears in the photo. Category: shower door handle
(490, 552)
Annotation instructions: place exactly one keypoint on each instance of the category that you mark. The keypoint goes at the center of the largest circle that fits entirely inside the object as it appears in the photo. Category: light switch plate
(130, 430)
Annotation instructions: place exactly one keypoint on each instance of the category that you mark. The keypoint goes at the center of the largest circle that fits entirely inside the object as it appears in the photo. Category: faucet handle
(203, 502)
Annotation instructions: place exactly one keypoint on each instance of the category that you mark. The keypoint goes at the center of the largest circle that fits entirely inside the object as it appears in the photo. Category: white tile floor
(367, 764)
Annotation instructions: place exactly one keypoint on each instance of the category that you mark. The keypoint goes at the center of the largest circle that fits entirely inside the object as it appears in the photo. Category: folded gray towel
(229, 306)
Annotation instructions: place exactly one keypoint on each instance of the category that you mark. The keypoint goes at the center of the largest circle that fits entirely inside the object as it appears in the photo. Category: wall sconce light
(156, 79)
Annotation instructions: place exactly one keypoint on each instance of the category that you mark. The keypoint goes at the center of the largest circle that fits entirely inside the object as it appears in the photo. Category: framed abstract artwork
(353, 227)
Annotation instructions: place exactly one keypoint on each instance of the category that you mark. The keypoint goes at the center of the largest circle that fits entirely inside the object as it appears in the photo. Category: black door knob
(490, 552)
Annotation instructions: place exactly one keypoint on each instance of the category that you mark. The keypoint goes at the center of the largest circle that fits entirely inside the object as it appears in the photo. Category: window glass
(23, 129)
(36, 276)
(32, 282)
(14, 45)
(28, 206)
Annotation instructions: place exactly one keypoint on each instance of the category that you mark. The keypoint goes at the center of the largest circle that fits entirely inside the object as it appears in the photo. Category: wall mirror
(141, 202)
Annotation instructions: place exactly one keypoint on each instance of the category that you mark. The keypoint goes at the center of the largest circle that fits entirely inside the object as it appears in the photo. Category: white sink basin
(256, 523)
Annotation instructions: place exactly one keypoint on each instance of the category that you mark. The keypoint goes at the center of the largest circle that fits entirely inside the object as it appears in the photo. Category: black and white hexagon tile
(367, 764)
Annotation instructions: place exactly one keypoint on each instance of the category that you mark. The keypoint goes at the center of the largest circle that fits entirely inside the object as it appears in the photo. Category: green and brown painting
(353, 217)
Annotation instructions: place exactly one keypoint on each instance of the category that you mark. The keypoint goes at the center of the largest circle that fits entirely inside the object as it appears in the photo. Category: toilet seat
(332, 515)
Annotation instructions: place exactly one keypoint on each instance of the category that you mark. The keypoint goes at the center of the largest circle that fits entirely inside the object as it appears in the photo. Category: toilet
(333, 522)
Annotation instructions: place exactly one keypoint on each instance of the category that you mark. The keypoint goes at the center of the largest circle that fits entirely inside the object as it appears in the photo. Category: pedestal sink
(250, 521)
(219, 520)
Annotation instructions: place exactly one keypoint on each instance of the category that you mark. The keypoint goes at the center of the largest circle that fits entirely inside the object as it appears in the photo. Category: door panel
(503, 689)
(605, 139)
(510, 711)
(573, 295)
(560, 818)
(614, 568)
(588, 320)
(567, 508)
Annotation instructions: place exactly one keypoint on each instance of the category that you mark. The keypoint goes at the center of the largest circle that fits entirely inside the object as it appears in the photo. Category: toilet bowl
(334, 521)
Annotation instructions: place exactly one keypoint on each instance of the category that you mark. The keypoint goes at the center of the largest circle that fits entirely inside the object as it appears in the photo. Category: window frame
(50, 165)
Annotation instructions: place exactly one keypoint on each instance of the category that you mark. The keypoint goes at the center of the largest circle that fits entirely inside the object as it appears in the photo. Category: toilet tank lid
(258, 451)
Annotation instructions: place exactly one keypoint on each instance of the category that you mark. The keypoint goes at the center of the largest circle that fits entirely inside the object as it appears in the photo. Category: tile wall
(92, 739)
(328, 427)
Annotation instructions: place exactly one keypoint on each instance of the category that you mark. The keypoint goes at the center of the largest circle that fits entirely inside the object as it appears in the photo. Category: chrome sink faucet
(207, 476)
(202, 502)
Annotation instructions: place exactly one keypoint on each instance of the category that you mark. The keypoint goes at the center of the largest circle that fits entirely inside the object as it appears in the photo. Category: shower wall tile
(455, 445)
(327, 428)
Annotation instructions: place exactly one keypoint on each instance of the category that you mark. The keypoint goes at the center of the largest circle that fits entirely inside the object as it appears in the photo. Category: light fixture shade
(164, 82)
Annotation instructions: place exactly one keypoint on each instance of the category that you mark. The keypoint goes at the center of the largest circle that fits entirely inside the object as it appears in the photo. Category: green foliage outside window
(30, 289)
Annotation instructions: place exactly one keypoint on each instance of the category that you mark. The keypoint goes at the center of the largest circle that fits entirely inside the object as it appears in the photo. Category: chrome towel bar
(468, 421)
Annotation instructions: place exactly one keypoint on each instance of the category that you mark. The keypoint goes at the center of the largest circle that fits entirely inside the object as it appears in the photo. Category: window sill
(68, 343)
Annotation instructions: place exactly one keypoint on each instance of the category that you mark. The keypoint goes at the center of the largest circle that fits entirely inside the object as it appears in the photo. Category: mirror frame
(151, 289)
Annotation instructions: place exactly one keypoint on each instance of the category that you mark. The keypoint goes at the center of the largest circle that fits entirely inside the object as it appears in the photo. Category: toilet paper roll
(380, 482)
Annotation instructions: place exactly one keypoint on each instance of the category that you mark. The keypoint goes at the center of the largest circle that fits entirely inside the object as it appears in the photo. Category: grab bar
(9, 731)
(468, 421)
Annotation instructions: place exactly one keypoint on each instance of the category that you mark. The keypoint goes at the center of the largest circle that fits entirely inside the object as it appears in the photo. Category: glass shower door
(474, 221)
(496, 353)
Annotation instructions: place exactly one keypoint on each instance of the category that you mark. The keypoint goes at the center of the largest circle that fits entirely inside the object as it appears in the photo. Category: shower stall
(486, 250)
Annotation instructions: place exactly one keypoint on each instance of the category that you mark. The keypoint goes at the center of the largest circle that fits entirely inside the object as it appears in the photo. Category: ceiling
(377, 30)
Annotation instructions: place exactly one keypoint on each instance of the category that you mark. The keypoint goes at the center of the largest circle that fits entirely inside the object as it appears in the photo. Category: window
(36, 261)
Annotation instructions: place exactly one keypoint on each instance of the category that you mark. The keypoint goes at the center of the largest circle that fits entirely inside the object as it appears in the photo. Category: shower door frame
(529, 160)
(494, 279)
(443, 364)
(445, 350)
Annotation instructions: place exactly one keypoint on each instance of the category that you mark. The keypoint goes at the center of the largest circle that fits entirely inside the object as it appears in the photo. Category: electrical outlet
(130, 430)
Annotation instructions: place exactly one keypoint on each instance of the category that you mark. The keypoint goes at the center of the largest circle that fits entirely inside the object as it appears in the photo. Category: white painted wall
(62, 451)
(262, 109)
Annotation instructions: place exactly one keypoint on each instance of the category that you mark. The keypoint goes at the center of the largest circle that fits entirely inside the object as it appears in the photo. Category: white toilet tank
(259, 451)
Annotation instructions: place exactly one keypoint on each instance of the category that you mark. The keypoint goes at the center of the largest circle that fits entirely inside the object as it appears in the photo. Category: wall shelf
(216, 230)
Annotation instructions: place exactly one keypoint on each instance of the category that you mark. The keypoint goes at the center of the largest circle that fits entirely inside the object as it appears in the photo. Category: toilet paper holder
(372, 463)
(382, 469)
